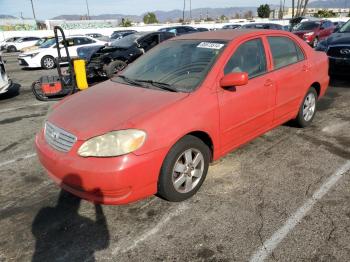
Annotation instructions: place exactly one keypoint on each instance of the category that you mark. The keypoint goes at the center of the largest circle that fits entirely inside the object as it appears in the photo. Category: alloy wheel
(309, 107)
(188, 170)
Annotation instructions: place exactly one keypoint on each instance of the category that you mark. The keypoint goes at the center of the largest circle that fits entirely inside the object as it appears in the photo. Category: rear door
(291, 73)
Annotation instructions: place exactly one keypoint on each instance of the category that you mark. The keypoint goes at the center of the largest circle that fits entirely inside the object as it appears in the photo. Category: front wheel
(184, 169)
(48, 62)
(12, 48)
(307, 109)
(114, 67)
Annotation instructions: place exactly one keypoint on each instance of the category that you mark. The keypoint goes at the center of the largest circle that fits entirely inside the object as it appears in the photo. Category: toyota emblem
(55, 135)
(345, 51)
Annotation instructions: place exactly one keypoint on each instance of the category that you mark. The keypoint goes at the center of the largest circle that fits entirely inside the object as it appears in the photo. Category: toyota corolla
(155, 128)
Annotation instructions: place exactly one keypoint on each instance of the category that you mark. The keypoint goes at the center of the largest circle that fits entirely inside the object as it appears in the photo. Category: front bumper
(6, 87)
(339, 66)
(112, 181)
(27, 61)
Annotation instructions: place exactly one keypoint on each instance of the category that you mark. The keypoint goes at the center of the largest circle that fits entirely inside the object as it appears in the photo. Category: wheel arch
(205, 137)
(317, 87)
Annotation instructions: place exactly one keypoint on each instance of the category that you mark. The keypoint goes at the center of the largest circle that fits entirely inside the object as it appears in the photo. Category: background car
(338, 25)
(232, 26)
(314, 31)
(108, 60)
(120, 34)
(5, 82)
(262, 26)
(22, 42)
(37, 44)
(98, 36)
(3, 44)
(337, 47)
(179, 30)
(45, 56)
(202, 29)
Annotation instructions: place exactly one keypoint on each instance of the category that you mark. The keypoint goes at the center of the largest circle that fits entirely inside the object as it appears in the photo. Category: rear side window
(284, 51)
(249, 57)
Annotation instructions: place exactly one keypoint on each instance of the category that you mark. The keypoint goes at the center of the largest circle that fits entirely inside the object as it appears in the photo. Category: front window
(181, 65)
(345, 28)
(305, 26)
(249, 57)
(48, 43)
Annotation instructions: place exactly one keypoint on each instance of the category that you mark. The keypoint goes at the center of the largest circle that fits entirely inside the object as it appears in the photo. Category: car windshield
(306, 26)
(48, 43)
(41, 41)
(345, 28)
(127, 41)
(178, 65)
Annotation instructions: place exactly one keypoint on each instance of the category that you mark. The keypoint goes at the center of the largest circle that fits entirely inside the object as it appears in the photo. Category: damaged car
(106, 61)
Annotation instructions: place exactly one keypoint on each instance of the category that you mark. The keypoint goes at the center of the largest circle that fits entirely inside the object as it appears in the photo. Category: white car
(21, 43)
(5, 82)
(45, 56)
(3, 44)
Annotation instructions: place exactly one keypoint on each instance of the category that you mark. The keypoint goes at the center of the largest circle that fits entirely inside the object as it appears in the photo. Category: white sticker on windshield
(210, 45)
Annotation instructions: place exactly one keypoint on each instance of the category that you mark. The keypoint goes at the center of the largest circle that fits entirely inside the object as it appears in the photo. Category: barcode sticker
(210, 45)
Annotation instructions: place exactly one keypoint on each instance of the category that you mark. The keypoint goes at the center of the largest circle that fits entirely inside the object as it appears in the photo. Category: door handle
(268, 82)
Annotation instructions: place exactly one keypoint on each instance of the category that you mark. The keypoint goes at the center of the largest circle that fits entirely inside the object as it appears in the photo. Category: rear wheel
(114, 67)
(307, 109)
(48, 62)
(184, 169)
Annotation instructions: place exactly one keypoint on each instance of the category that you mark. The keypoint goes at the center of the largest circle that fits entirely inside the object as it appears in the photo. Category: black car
(337, 47)
(262, 26)
(179, 30)
(108, 60)
(121, 33)
(232, 26)
(202, 29)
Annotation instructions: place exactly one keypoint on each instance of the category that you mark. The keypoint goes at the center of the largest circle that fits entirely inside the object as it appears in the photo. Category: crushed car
(106, 61)
(156, 127)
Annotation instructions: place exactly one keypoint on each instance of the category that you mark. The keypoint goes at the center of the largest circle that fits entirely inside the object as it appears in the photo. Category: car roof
(228, 35)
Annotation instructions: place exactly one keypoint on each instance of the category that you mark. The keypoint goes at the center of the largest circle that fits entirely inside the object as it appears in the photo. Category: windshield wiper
(130, 81)
(160, 85)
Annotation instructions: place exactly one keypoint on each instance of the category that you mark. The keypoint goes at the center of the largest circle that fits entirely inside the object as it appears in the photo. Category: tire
(308, 108)
(180, 177)
(114, 67)
(48, 62)
(11, 49)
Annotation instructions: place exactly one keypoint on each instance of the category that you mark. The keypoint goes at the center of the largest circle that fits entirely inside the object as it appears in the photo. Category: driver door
(246, 111)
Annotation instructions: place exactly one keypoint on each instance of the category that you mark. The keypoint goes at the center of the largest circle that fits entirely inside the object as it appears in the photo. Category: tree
(264, 11)
(325, 14)
(248, 15)
(237, 16)
(150, 18)
(223, 18)
(125, 22)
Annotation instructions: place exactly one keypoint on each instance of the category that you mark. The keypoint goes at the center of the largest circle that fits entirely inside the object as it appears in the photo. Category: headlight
(34, 54)
(115, 143)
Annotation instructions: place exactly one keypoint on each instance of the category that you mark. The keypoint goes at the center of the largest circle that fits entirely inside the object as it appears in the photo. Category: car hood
(339, 39)
(109, 106)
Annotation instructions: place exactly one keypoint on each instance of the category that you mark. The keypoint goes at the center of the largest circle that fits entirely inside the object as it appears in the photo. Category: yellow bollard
(80, 74)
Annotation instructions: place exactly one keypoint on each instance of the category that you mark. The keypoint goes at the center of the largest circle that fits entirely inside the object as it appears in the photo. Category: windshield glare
(181, 64)
(306, 26)
(48, 43)
(345, 28)
(127, 41)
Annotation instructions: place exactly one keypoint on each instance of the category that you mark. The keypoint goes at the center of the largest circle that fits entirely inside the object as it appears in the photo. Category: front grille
(58, 138)
(336, 51)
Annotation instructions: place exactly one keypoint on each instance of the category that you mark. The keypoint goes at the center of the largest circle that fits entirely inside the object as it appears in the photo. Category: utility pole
(87, 8)
(183, 12)
(191, 10)
(33, 9)
(293, 8)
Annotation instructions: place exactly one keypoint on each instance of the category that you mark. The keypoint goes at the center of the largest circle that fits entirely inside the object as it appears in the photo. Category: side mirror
(234, 79)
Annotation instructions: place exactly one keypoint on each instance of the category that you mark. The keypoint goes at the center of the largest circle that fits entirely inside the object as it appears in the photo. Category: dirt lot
(285, 196)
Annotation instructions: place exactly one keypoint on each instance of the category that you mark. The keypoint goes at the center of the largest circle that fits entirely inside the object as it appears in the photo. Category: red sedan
(155, 128)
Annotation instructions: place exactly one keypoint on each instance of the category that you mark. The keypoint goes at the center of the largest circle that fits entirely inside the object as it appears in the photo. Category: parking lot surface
(284, 197)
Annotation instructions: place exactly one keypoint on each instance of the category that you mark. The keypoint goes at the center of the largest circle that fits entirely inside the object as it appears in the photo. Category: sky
(45, 9)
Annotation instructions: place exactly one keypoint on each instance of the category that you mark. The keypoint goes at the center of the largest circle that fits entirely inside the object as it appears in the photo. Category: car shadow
(340, 81)
(62, 234)
(12, 92)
